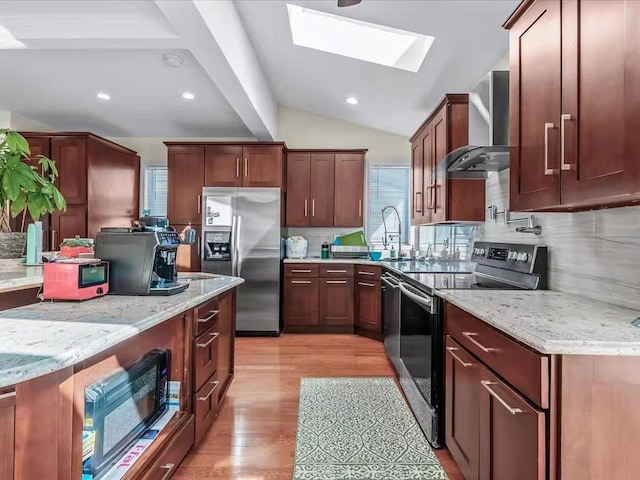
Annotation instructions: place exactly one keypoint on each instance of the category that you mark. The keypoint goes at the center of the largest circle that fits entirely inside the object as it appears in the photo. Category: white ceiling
(75, 49)
(469, 41)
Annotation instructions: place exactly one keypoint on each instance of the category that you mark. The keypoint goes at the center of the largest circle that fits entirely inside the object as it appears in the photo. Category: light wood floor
(254, 435)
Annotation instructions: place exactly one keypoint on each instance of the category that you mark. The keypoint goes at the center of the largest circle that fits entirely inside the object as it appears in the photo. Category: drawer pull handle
(208, 342)
(301, 282)
(364, 284)
(460, 361)
(169, 468)
(7, 395)
(337, 282)
(300, 271)
(206, 397)
(487, 384)
(470, 336)
(212, 314)
(366, 273)
(336, 271)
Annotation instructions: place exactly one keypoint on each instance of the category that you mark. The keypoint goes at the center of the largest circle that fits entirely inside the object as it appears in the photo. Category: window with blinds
(388, 185)
(155, 190)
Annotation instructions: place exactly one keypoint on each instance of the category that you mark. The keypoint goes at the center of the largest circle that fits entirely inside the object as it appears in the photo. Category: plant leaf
(17, 206)
(34, 211)
(61, 203)
(11, 185)
(17, 143)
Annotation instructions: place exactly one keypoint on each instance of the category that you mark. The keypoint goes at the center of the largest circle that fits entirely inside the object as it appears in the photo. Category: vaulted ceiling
(238, 60)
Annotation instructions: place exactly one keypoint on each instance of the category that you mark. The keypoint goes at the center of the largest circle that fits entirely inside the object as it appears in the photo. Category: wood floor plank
(254, 436)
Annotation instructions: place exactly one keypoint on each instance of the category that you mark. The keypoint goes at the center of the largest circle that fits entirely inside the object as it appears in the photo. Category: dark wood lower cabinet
(7, 433)
(226, 346)
(369, 306)
(462, 393)
(19, 298)
(300, 301)
(336, 301)
(512, 433)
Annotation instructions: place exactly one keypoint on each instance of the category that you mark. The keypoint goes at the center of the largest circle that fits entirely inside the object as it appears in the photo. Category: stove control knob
(523, 257)
(512, 255)
(481, 251)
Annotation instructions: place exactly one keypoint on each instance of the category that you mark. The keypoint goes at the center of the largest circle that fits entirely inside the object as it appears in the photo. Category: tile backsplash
(316, 236)
(595, 254)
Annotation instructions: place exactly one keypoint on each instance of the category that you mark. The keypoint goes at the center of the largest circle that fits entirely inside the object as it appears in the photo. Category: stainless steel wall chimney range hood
(488, 149)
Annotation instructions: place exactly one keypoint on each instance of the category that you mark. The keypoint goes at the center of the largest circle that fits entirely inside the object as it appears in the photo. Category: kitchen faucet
(400, 254)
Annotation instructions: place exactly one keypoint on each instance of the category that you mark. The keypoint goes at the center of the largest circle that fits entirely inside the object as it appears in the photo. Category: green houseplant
(26, 186)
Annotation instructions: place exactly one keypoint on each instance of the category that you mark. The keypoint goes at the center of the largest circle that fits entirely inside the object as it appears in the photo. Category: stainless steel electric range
(414, 320)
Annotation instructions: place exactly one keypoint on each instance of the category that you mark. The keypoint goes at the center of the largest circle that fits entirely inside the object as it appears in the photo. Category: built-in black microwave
(121, 407)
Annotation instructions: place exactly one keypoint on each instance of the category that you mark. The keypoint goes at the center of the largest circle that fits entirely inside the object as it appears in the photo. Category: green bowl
(375, 256)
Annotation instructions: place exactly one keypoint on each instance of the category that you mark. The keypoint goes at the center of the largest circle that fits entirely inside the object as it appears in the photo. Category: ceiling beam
(217, 39)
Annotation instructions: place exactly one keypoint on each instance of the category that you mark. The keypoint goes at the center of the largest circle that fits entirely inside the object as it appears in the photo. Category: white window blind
(155, 191)
(388, 185)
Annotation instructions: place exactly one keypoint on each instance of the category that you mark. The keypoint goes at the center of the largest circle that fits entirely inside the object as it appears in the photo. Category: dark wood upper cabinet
(573, 104)
(436, 197)
(300, 302)
(70, 155)
(262, 166)
(298, 189)
(322, 189)
(223, 166)
(368, 305)
(186, 179)
(512, 433)
(336, 301)
(535, 87)
(349, 190)
(462, 393)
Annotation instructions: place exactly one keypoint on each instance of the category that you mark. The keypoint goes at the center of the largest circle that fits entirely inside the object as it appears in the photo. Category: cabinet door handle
(7, 395)
(417, 208)
(301, 282)
(300, 271)
(212, 314)
(169, 468)
(365, 284)
(206, 397)
(198, 244)
(246, 167)
(360, 208)
(429, 198)
(460, 361)
(238, 167)
(199, 198)
(313, 207)
(208, 342)
(563, 164)
(366, 273)
(434, 193)
(53, 240)
(306, 213)
(470, 336)
(337, 282)
(487, 384)
(547, 170)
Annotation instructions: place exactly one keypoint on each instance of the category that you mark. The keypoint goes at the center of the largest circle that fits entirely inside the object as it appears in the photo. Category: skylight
(357, 39)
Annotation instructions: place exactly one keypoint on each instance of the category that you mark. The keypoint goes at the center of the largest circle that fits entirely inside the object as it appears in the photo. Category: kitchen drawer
(205, 356)
(305, 270)
(525, 369)
(336, 270)
(368, 272)
(205, 407)
(169, 460)
(206, 316)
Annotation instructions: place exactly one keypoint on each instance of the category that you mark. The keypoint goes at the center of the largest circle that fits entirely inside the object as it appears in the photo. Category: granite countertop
(45, 337)
(553, 322)
(405, 266)
(16, 276)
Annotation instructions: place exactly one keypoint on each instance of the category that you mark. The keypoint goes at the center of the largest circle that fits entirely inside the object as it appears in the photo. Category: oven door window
(417, 338)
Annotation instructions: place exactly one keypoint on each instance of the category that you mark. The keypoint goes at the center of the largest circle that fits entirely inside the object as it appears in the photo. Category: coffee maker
(142, 262)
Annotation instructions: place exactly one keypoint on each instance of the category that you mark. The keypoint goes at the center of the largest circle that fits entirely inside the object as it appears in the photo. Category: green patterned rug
(360, 429)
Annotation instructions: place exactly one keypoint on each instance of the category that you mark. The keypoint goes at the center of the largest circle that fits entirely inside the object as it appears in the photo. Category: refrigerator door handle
(238, 259)
(234, 258)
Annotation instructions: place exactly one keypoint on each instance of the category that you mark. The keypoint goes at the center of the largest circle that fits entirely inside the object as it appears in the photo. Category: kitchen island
(541, 385)
(50, 351)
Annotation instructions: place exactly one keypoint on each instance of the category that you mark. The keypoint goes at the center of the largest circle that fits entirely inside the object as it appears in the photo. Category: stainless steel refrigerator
(242, 237)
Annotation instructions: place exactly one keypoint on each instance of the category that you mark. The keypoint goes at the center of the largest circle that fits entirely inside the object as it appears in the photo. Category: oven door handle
(427, 301)
(390, 281)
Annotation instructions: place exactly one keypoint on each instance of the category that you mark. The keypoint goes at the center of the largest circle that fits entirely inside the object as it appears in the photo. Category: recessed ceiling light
(352, 100)
(7, 40)
(188, 96)
(103, 96)
(172, 59)
(353, 38)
